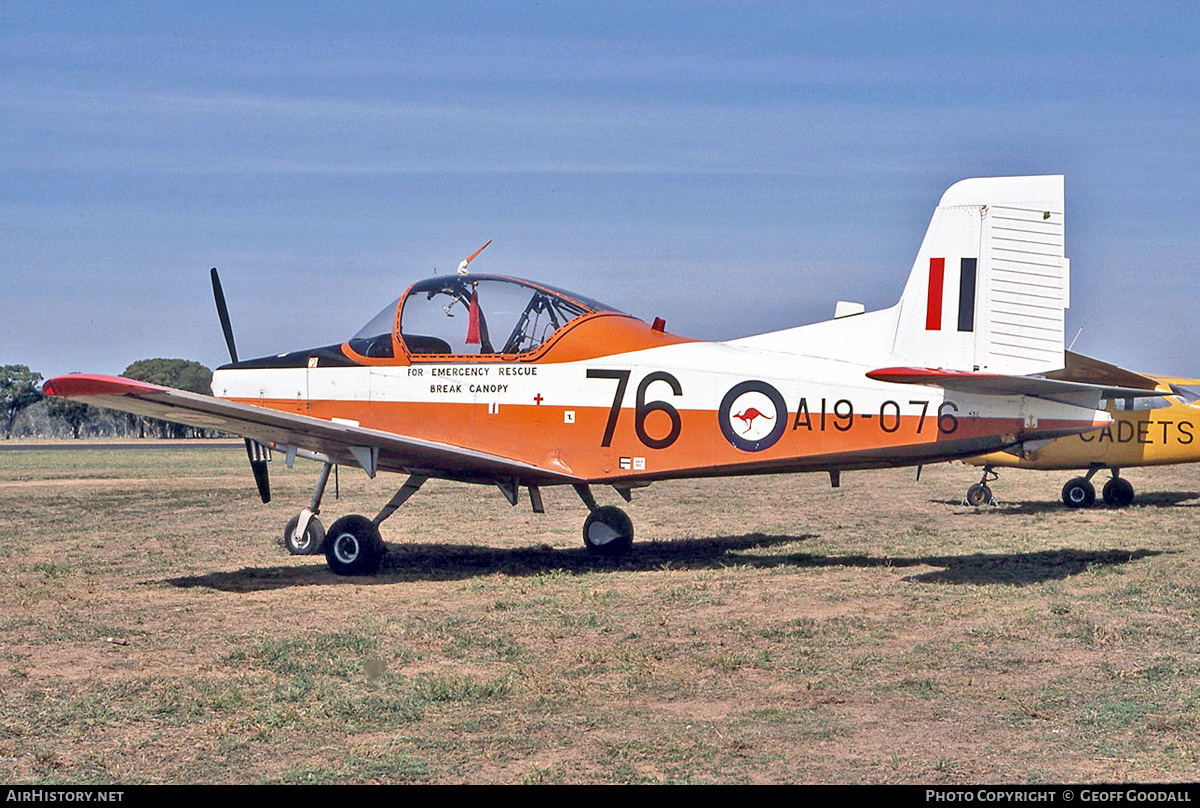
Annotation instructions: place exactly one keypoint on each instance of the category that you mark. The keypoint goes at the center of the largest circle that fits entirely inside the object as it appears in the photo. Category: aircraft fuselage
(682, 409)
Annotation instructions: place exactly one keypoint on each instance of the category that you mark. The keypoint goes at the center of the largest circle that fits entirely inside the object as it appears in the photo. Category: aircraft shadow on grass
(440, 562)
(1157, 499)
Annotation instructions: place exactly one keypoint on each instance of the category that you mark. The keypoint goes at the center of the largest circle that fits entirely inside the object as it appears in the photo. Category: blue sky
(732, 167)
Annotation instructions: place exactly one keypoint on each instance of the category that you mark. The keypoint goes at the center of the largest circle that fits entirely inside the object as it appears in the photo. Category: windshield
(375, 338)
(485, 315)
(1138, 404)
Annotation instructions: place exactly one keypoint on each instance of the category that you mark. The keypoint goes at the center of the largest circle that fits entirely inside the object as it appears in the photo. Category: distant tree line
(25, 411)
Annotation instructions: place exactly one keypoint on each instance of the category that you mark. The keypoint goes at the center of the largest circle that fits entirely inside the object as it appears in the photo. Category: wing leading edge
(342, 443)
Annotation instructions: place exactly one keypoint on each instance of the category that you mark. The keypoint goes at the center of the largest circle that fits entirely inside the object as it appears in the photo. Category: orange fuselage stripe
(566, 439)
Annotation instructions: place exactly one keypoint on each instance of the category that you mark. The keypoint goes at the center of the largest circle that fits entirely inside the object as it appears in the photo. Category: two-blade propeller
(258, 454)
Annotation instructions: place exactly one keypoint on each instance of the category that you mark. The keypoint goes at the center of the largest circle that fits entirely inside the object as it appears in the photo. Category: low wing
(290, 433)
(997, 384)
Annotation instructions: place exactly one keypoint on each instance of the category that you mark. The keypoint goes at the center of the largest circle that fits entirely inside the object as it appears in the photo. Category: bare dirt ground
(765, 630)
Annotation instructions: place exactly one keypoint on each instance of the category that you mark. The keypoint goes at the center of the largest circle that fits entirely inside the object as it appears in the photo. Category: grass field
(764, 630)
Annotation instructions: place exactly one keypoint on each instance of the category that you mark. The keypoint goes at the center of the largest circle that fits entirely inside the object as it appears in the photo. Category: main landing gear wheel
(310, 543)
(1078, 493)
(353, 546)
(608, 531)
(979, 494)
(1118, 492)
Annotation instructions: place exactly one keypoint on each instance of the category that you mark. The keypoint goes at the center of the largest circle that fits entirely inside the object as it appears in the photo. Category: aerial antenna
(462, 268)
(1071, 347)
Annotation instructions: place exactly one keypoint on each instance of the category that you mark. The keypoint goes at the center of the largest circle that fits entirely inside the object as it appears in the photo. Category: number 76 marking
(643, 408)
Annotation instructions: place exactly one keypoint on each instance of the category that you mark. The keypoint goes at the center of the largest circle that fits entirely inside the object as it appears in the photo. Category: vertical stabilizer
(990, 284)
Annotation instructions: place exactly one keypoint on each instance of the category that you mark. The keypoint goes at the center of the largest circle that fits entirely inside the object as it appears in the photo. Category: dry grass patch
(764, 630)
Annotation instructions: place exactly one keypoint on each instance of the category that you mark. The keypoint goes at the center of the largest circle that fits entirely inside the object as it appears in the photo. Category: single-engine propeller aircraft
(487, 379)
(1158, 428)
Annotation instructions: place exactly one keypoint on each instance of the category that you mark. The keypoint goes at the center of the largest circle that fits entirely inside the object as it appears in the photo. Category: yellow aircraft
(1157, 429)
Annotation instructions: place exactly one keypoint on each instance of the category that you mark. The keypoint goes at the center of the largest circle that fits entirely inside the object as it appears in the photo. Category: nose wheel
(310, 541)
(980, 494)
(304, 533)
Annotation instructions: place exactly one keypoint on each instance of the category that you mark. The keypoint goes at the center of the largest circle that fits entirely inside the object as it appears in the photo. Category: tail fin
(990, 284)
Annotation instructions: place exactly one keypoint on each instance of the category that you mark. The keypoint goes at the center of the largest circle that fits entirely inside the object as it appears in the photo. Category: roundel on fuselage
(753, 416)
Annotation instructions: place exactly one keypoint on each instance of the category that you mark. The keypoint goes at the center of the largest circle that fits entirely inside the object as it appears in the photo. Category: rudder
(990, 284)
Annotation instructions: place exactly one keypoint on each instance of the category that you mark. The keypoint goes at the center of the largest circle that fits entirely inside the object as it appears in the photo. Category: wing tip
(95, 384)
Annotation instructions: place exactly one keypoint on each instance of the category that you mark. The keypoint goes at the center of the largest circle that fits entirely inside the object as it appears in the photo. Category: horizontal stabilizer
(998, 384)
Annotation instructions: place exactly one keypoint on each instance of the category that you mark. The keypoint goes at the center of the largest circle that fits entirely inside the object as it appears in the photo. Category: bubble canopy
(473, 315)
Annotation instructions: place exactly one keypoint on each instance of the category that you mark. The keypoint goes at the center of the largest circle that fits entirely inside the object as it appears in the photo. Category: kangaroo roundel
(753, 416)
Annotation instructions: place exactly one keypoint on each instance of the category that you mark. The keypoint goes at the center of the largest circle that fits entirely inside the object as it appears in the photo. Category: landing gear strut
(304, 534)
(353, 545)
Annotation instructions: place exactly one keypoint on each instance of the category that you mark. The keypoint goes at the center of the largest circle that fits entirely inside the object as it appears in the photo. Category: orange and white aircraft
(1157, 429)
(496, 380)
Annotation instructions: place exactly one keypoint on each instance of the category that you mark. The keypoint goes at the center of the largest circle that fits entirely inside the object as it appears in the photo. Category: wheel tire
(1078, 493)
(314, 537)
(979, 494)
(1118, 492)
(353, 546)
(608, 532)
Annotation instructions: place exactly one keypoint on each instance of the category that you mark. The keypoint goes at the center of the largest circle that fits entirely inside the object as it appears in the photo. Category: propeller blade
(259, 456)
(223, 315)
(257, 453)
